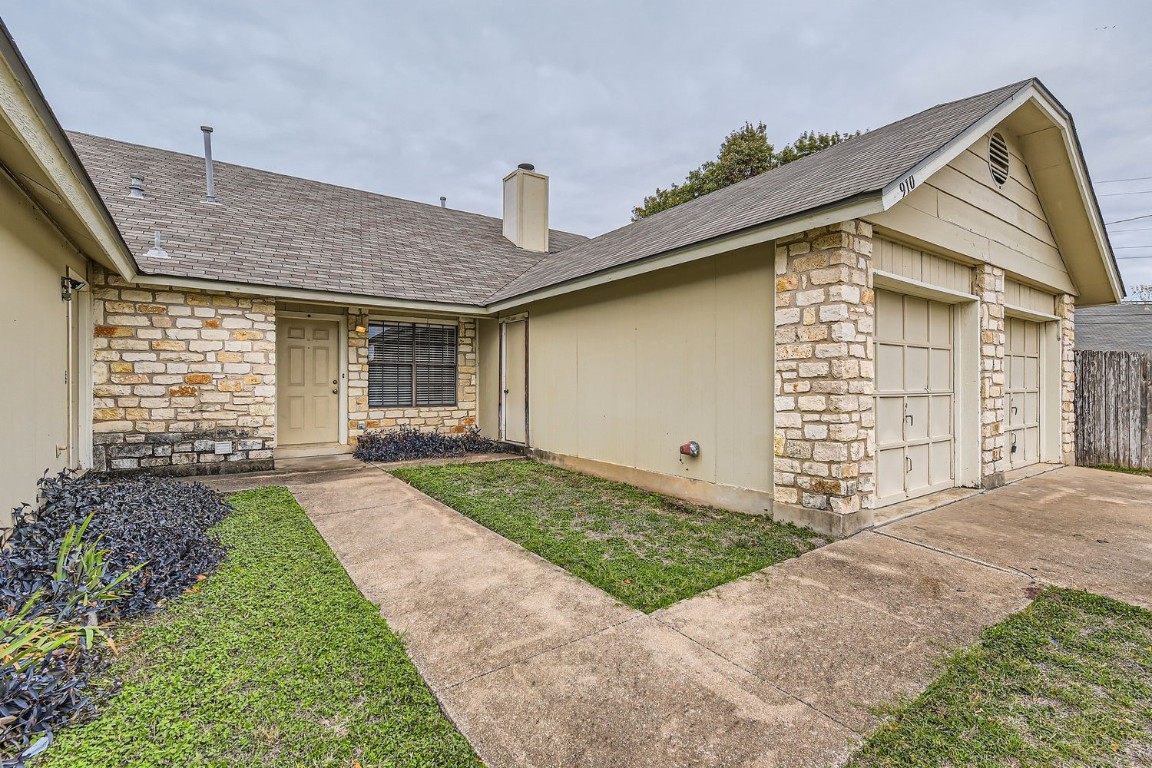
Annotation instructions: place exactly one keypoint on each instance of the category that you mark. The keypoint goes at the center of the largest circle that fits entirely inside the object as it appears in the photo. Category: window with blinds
(411, 364)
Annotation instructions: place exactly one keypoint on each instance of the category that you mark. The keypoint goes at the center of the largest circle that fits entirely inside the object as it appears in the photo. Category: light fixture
(361, 329)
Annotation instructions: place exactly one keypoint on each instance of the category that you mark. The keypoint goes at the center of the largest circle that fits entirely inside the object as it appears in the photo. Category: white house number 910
(907, 185)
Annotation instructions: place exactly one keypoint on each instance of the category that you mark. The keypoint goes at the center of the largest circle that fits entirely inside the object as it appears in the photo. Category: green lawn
(646, 549)
(276, 660)
(1066, 682)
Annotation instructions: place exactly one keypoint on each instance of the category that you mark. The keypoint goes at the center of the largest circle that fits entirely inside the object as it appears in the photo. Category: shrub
(408, 443)
(155, 528)
(94, 551)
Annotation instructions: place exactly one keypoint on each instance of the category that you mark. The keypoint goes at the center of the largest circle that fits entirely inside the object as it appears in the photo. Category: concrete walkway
(780, 668)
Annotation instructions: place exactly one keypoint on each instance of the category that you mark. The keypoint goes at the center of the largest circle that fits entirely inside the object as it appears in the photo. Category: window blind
(411, 364)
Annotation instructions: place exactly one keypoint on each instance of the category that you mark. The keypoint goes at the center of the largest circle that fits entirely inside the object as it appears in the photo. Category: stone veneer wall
(1066, 310)
(825, 423)
(989, 290)
(452, 418)
(177, 372)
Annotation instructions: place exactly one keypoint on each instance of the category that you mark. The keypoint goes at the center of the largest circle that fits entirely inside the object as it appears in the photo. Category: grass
(275, 660)
(647, 550)
(1128, 470)
(1066, 682)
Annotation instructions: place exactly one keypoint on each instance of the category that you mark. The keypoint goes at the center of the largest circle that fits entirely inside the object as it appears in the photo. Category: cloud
(610, 99)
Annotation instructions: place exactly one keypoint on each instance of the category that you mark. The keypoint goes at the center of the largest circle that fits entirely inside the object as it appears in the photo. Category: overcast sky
(610, 99)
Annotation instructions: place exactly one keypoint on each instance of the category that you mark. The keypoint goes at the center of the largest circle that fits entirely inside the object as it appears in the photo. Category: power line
(1133, 258)
(1134, 218)
(1117, 181)
(1134, 229)
(1117, 194)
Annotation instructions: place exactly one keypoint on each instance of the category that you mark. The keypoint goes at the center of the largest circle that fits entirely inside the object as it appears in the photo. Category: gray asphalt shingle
(855, 167)
(275, 230)
(1119, 327)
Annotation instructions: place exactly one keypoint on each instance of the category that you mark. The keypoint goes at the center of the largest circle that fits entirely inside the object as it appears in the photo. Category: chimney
(211, 197)
(526, 208)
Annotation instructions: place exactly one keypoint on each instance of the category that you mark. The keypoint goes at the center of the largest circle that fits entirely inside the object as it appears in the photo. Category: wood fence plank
(1114, 408)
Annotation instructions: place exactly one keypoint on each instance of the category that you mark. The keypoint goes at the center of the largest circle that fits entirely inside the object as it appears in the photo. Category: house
(888, 318)
(53, 232)
(1115, 328)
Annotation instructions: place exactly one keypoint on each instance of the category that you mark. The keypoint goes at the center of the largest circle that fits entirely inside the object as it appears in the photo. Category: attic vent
(998, 158)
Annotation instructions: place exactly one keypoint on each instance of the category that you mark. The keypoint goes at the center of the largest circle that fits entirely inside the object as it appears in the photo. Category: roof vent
(526, 167)
(209, 176)
(998, 158)
(156, 252)
(136, 188)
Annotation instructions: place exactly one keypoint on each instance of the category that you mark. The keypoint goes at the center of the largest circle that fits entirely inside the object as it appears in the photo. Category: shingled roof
(860, 166)
(281, 231)
(1119, 327)
(275, 230)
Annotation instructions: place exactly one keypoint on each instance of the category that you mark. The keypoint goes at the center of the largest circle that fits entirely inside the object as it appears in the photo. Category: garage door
(914, 397)
(1023, 368)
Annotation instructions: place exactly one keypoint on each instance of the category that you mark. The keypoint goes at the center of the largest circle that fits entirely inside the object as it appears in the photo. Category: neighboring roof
(275, 230)
(859, 167)
(36, 155)
(1120, 327)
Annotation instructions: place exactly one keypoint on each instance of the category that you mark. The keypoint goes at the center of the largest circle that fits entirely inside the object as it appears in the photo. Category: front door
(307, 375)
(514, 374)
(914, 397)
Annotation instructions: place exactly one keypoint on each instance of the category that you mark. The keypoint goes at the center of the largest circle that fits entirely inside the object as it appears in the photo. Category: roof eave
(861, 205)
(1036, 92)
(312, 296)
(44, 139)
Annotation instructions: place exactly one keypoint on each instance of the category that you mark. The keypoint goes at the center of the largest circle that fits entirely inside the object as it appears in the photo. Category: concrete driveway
(780, 668)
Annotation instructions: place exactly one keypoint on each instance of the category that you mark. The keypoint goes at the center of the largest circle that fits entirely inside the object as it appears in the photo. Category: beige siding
(627, 372)
(1017, 294)
(488, 386)
(915, 264)
(34, 398)
(961, 209)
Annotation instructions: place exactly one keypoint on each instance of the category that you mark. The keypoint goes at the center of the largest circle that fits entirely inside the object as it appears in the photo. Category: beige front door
(1023, 367)
(914, 397)
(307, 376)
(514, 374)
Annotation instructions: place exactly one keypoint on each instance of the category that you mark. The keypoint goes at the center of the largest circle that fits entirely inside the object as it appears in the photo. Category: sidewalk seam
(1001, 568)
(541, 652)
(762, 679)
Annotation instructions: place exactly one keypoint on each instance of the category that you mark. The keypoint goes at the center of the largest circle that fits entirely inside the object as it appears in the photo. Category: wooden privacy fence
(1114, 408)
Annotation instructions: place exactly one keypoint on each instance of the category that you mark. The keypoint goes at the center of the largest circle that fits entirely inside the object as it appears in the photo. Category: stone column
(993, 402)
(1066, 309)
(825, 427)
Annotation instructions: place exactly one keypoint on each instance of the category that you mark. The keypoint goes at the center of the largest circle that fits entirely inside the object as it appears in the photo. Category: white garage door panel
(914, 397)
(1023, 366)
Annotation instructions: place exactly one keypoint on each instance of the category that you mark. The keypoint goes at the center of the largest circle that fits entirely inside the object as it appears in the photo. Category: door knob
(335, 391)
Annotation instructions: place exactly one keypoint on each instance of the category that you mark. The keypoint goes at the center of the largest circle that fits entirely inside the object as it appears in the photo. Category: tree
(1139, 294)
(744, 153)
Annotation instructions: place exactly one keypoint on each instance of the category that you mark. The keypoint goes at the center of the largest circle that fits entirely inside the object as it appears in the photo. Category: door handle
(335, 391)
(908, 462)
(911, 419)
